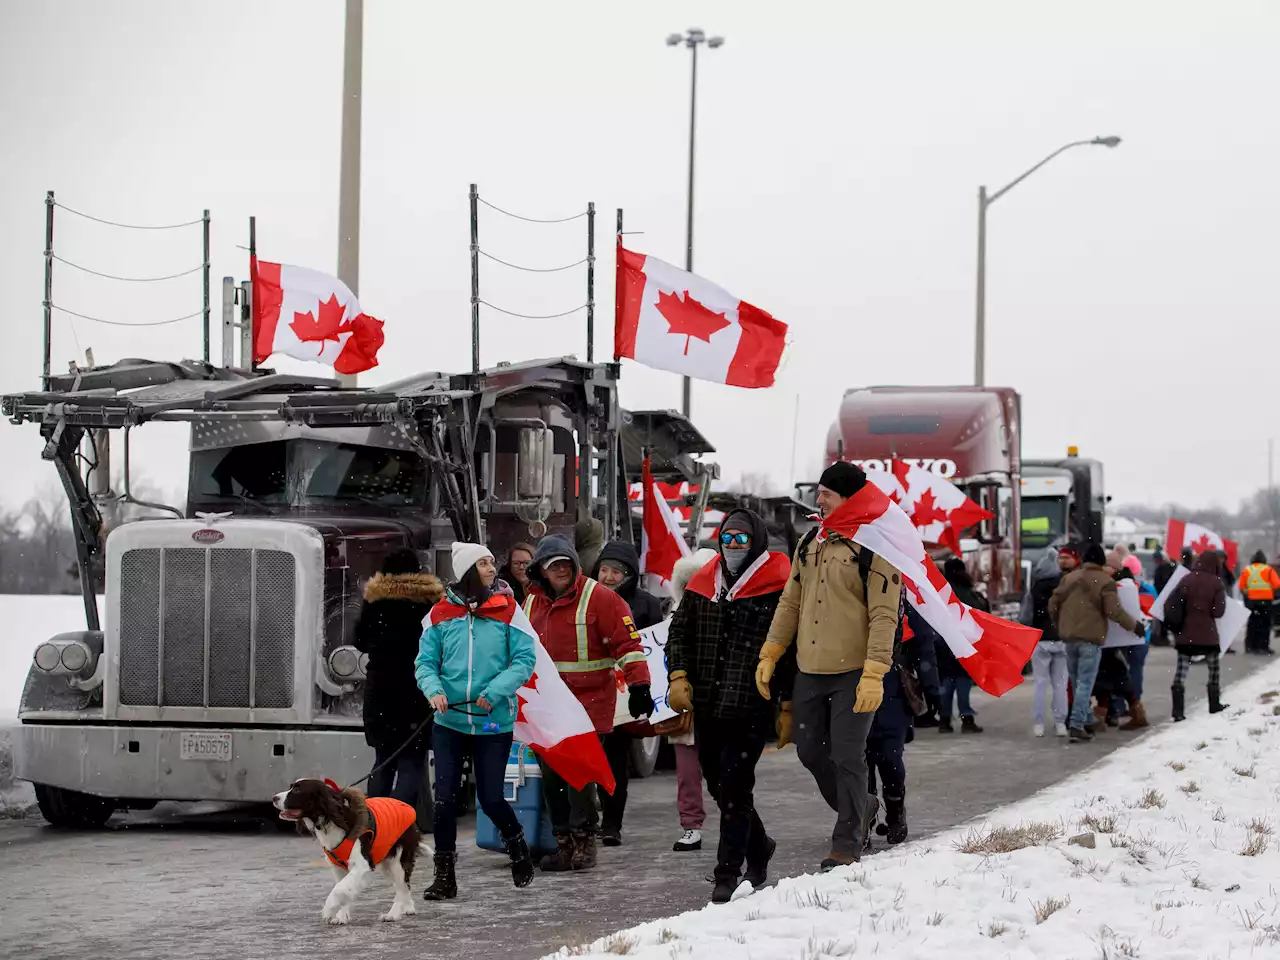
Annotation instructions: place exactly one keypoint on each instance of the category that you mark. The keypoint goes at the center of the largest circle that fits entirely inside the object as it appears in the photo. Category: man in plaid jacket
(712, 651)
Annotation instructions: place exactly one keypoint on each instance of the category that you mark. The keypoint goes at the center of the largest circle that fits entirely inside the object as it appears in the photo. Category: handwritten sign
(654, 641)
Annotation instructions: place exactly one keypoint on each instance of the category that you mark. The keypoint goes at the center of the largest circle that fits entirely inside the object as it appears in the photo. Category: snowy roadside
(1165, 849)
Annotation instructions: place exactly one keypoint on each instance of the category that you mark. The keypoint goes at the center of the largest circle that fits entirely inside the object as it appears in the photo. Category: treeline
(1255, 526)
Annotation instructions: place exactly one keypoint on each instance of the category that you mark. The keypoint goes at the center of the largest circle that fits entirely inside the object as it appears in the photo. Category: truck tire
(644, 755)
(73, 810)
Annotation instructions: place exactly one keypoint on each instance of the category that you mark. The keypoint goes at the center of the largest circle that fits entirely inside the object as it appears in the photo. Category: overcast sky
(1131, 292)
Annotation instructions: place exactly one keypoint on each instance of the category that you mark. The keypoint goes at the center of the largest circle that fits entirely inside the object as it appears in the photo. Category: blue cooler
(523, 790)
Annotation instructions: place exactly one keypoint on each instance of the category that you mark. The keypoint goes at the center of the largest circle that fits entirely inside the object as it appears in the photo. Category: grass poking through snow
(993, 840)
(1048, 907)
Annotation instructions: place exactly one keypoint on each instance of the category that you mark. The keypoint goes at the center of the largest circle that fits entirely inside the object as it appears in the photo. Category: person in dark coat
(515, 572)
(953, 680)
(396, 601)
(914, 662)
(1197, 603)
(619, 569)
(1165, 568)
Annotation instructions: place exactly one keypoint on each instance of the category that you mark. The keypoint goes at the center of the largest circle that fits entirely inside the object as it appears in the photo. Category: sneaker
(1038, 730)
(944, 726)
(969, 725)
(1060, 729)
(1080, 735)
(689, 840)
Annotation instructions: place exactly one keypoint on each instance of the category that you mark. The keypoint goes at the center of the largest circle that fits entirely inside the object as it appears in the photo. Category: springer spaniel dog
(360, 836)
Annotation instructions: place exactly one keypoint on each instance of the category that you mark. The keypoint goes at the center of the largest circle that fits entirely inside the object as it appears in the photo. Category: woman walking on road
(1049, 662)
(470, 664)
(396, 601)
(953, 679)
(1192, 613)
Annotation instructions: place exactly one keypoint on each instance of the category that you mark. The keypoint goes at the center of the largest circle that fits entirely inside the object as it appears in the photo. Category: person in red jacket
(587, 630)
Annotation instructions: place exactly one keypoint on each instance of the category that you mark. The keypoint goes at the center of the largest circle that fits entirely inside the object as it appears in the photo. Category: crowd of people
(817, 647)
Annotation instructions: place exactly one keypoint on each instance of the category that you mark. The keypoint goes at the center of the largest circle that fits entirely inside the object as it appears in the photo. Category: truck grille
(206, 628)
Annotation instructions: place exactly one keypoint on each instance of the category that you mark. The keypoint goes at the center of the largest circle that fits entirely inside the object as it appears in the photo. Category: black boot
(1215, 699)
(1179, 702)
(758, 873)
(445, 886)
(724, 889)
(869, 820)
(562, 860)
(521, 861)
(895, 815)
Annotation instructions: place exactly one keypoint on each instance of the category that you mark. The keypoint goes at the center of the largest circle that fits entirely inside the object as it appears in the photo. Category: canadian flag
(1182, 534)
(661, 544)
(674, 320)
(552, 721)
(993, 651)
(310, 315)
(937, 507)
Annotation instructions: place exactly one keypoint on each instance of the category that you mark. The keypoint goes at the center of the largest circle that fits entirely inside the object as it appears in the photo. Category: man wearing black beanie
(843, 628)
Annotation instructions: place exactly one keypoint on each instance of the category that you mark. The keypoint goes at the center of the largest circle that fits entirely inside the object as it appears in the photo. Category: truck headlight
(47, 657)
(347, 663)
(63, 657)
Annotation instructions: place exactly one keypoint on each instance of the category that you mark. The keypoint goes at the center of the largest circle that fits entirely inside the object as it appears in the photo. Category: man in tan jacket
(843, 617)
(1082, 606)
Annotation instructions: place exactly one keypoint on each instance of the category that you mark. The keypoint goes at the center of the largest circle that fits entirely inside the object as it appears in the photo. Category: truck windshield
(1044, 520)
(303, 472)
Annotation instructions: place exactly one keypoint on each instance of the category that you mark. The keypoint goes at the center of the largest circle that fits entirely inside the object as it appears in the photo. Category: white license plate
(206, 746)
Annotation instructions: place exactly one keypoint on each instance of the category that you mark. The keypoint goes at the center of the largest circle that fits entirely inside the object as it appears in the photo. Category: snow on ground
(1181, 861)
(28, 620)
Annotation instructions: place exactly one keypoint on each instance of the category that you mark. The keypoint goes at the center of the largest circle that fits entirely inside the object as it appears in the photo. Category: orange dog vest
(388, 820)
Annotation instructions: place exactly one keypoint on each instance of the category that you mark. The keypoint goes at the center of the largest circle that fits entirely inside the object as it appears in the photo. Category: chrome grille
(207, 628)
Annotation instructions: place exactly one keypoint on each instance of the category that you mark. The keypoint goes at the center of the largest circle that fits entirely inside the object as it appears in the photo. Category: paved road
(189, 883)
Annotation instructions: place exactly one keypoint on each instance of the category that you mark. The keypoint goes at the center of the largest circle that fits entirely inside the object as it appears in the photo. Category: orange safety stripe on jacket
(388, 820)
(1259, 582)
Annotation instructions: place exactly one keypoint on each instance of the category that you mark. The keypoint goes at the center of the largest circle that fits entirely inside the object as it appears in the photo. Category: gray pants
(831, 741)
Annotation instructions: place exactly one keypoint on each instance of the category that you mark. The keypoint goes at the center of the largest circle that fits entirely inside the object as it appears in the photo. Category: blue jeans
(489, 753)
(1137, 656)
(960, 686)
(1083, 659)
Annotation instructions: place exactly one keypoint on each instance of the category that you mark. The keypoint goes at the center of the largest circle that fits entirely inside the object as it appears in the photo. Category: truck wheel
(73, 810)
(644, 755)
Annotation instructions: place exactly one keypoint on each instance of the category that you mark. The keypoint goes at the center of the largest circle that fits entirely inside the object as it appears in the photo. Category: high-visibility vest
(1258, 581)
(582, 664)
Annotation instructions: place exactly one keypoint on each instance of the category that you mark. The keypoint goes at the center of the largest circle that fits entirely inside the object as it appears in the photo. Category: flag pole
(591, 282)
(249, 339)
(475, 280)
(617, 286)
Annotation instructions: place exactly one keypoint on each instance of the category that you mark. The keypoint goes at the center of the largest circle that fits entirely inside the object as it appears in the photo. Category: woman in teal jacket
(470, 664)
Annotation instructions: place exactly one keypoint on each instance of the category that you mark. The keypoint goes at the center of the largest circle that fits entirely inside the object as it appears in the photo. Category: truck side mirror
(536, 448)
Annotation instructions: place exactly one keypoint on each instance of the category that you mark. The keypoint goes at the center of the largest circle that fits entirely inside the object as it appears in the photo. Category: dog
(360, 836)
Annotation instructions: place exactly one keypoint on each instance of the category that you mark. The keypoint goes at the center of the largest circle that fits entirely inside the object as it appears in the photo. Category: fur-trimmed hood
(686, 567)
(416, 587)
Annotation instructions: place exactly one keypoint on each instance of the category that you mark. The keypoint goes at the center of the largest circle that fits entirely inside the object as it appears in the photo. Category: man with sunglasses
(586, 629)
(712, 646)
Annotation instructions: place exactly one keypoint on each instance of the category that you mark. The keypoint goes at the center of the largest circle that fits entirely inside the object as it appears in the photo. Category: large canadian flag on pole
(991, 650)
(310, 315)
(937, 507)
(661, 544)
(1182, 534)
(674, 320)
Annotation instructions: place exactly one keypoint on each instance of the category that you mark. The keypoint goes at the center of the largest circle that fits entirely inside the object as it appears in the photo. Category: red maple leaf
(1203, 544)
(926, 512)
(327, 324)
(914, 591)
(688, 318)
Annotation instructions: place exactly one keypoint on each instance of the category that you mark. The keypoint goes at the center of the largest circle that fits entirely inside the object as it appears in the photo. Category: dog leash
(404, 746)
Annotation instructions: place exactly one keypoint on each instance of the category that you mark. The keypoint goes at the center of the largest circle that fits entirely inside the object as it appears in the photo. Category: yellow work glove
(784, 725)
(870, 687)
(770, 654)
(679, 692)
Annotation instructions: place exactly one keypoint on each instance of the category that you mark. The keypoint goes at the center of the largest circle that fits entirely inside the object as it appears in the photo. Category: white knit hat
(466, 556)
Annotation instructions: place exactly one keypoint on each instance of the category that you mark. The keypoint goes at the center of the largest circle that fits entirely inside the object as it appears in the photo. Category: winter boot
(1215, 700)
(1099, 718)
(445, 885)
(1137, 717)
(944, 726)
(895, 815)
(869, 820)
(562, 860)
(834, 860)
(611, 836)
(969, 725)
(1179, 702)
(757, 874)
(723, 891)
(584, 850)
(521, 861)
(1080, 734)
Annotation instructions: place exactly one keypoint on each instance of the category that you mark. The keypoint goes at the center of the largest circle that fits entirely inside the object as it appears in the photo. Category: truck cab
(1062, 500)
(224, 666)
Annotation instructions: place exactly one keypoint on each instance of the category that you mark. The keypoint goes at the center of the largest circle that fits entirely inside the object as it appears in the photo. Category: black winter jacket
(389, 630)
(645, 608)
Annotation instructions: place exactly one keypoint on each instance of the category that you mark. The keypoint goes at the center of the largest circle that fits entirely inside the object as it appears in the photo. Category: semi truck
(1063, 500)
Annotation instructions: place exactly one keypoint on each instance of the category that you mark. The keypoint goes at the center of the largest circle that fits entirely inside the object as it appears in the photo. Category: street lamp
(984, 201)
(692, 39)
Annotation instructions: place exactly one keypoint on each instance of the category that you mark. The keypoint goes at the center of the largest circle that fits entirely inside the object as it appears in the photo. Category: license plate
(206, 746)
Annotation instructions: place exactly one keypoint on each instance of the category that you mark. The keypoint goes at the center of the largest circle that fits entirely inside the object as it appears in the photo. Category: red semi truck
(971, 436)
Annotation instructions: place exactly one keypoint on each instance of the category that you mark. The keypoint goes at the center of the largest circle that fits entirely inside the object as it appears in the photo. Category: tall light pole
(349, 171)
(985, 200)
(692, 39)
